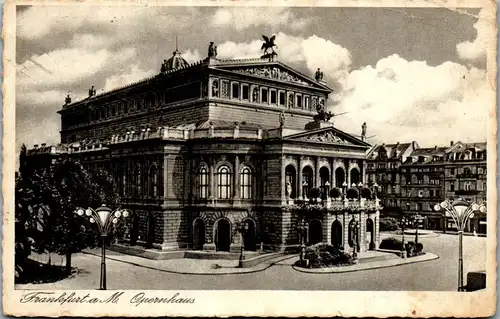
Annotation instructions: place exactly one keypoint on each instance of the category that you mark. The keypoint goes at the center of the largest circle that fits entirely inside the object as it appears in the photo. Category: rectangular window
(452, 171)
(282, 98)
(245, 92)
(306, 103)
(264, 95)
(299, 101)
(235, 91)
(452, 186)
(274, 97)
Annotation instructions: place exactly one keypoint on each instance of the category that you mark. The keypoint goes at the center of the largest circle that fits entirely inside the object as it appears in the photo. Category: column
(332, 174)
(165, 177)
(300, 181)
(347, 174)
(318, 179)
(209, 87)
(363, 172)
(283, 182)
(236, 177)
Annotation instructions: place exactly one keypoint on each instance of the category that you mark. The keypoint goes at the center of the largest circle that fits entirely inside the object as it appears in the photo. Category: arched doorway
(198, 234)
(315, 232)
(336, 234)
(249, 236)
(353, 233)
(222, 235)
(290, 178)
(370, 234)
(339, 177)
(355, 176)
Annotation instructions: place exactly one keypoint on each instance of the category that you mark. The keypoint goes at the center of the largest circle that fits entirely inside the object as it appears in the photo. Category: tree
(55, 193)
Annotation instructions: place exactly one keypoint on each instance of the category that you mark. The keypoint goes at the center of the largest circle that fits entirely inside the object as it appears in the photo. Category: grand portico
(202, 148)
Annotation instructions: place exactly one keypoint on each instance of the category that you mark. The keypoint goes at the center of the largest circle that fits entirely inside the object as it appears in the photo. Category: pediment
(275, 71)
(329, 135)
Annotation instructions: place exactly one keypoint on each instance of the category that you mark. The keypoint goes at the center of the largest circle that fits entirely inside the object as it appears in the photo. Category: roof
(394, 151)
(176, 64)
(226, 124)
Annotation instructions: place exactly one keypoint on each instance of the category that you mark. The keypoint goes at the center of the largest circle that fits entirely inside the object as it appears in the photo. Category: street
(439, 274)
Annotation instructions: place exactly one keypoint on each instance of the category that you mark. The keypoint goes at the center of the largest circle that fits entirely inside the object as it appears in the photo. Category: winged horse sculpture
(269, 44)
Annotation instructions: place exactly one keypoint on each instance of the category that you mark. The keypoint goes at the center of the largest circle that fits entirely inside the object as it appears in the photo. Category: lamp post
(416, 220)
(242, 230)
(460, 211)
(326, 190)
(105, 218)
(355, 229)
(403, 225)
(303, 230)
(375, 189)
(344, 188)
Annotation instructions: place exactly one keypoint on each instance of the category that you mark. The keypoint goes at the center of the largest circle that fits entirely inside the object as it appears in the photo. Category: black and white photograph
(170, 156)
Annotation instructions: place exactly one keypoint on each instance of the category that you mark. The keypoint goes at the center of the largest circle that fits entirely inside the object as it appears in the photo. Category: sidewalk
(186, 266)
(369, 265)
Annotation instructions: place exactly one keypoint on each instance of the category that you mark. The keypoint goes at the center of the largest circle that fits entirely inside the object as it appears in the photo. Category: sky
(412, 74)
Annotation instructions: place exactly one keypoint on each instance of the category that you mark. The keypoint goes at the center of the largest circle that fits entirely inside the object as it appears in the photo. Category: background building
(412, 180)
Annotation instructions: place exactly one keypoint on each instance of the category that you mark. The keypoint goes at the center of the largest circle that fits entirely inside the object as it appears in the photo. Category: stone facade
(204, 150)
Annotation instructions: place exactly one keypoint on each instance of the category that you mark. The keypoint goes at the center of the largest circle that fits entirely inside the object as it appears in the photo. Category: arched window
(224, 182)
(324, 174)
(246, 183)
(307, 180)
(153, 181)
(122, 181)
(138, 181)
(290, 179)
(203, 183)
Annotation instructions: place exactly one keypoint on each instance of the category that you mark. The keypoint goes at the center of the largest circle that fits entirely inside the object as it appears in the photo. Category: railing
(334, 205)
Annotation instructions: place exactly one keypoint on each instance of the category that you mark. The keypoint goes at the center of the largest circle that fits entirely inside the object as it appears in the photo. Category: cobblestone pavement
(439, 274)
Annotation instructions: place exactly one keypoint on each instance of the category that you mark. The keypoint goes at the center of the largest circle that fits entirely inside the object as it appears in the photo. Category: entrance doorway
(370, 234)
(249, 236)
(198, 234)
(315, 232)
(222, 235)
(336, 234)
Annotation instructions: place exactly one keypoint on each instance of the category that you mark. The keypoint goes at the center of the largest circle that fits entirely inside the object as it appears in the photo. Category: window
(467, 186)
(203, 183)
(307, 180)
(419, 206)
(290, 179)
(224, 182)
(245, 92)
(306, 103)
(235, 91)
(246, 183)
(138, 181)
(484, 186)
(153, 179)
(282, 98)
(274, 97)
(452, 171)
(264, 95)
(122, 178)
(224, 89)
(299, 101)
(467, 171)
(452, 186)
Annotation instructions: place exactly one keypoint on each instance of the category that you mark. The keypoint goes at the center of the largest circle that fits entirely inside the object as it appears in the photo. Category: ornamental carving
(273, 73)
(225, 89)
(326, 137)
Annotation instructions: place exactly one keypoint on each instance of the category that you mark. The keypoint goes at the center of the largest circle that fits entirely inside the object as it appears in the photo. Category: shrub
(352, 193)
(314, 193)
(391, 244)
(323, 255)
(388, 224)
(413, 249)
(335, 192)
(366, 193)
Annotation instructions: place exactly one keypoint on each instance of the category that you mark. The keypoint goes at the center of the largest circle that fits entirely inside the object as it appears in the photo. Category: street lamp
(242, 230)
(375, 189)
(326, 190)
(416, 221)
(403, 225)
(344, 188)
(105, 218)
(303, 231)
(460, 212)
(355, 239)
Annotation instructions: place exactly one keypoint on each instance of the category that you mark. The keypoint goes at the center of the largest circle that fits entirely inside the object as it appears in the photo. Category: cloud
(475, 50)
(243, 18)
(306, 53)
(132, 75)
(410, 100)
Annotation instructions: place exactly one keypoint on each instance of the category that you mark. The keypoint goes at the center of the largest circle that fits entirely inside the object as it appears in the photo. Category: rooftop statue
(68, 99)
(163, 66)
(212, 50)
(363, 130)
(269, 44)
(319, 75)
(323, 116)
(92, 91)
